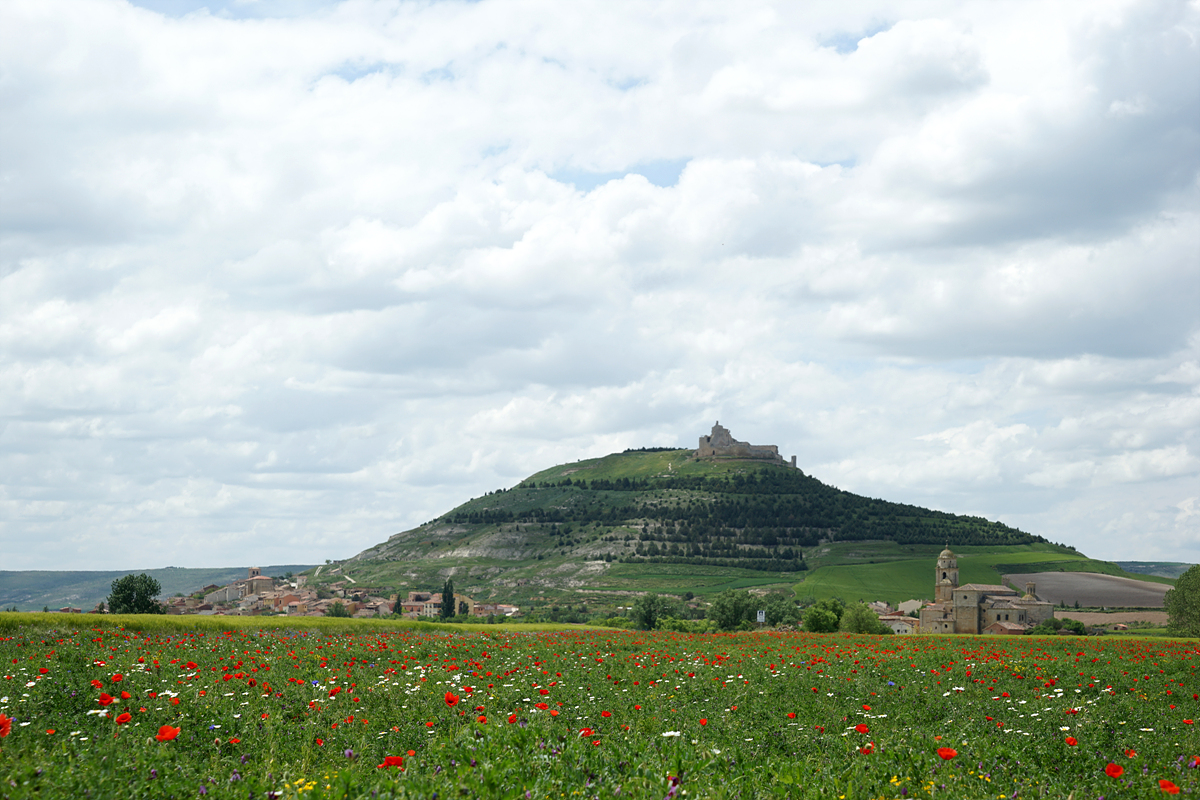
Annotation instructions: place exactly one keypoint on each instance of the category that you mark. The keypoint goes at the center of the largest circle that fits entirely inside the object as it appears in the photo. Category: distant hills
(34, 590)
(1162, 569)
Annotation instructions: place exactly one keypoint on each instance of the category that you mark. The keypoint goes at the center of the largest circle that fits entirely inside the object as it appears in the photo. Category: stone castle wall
(721, 444)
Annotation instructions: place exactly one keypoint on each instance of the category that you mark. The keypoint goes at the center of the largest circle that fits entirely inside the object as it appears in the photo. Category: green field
(681, 578)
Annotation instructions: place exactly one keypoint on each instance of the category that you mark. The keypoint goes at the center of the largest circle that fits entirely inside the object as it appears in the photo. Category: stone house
(901, 624)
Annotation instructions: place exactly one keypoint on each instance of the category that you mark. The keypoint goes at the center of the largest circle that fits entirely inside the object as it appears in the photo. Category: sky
(281, 279)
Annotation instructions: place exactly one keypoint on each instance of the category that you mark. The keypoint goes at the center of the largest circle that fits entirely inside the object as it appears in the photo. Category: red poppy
(1167, 786)
(791, 715)
(166, 733)
(512, 718)
(861, 728)
(174, 701)
(123, 718)
(482, 720)
(42, 670)
(235, 741)
(606, 714)
(947, 753)
(1072, 741)
(1130, 753)
(116, 678)
(391, 761)
(126, 696)
(191, 665)
(541, 706)
(1114, 770)
(428, 724)
(866, 751)
(104, 699)
(97, 684)
(704, 721)
(451, 699)
(5, 726)
(554, 712)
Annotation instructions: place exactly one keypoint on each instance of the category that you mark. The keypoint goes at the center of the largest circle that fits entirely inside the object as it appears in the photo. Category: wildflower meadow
(388, 711)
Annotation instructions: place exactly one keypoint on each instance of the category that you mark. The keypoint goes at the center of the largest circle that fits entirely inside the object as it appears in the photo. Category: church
(979, 607)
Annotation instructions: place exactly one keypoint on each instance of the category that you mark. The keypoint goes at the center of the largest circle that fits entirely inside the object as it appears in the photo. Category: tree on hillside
(447, 599)
(649, 609)
(860, 619)
(134, 594)
(337, 610)
(824, 617)
(730, 608)
(1182, 603)
(781, 610)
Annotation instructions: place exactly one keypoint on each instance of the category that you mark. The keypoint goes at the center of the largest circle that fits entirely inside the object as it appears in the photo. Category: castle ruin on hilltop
(721, 444)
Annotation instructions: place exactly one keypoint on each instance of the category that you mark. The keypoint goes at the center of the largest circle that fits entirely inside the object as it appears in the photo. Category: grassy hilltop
(596, 531)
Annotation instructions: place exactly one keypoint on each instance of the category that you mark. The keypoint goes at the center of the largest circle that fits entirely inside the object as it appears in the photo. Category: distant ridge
(31, 590)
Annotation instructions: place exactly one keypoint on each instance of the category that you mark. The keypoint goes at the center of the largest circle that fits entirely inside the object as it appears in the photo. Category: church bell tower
(946, 578)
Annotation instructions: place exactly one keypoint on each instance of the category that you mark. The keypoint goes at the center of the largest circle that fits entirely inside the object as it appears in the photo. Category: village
(957, 609)
(260, 595)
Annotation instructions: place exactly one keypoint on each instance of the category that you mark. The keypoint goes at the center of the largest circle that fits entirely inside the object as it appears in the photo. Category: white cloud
(277, 280)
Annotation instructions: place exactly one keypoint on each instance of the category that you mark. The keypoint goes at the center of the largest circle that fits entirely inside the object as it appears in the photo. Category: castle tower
(254, 572)
(945, 579)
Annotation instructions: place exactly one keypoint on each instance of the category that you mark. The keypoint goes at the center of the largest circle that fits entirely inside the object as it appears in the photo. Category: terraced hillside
(660, 520)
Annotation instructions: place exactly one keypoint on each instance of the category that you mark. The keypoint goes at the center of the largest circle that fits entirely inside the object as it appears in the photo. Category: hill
(597, 530)
(33, 590)
(1162, 569)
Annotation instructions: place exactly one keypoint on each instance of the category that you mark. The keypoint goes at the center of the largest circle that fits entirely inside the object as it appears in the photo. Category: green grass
(666, 464)
(680, 578)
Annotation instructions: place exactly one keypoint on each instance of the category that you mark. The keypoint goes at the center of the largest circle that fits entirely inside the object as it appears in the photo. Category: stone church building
(979, 607)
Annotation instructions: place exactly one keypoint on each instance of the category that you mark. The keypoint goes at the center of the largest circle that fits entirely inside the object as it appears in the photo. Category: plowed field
(1090, 589)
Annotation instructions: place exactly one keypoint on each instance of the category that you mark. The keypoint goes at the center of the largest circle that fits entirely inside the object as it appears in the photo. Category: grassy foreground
(231, 709)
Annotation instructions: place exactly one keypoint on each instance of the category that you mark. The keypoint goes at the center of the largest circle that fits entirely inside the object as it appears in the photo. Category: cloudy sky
(281, 278)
